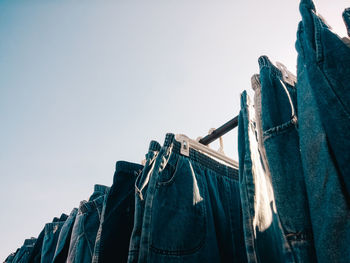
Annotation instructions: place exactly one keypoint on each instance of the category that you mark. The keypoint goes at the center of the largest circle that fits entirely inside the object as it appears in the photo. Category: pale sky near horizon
(87, 83)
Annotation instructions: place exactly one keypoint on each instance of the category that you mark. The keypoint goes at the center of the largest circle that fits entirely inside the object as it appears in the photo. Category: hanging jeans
(264, 237)
(85, 229)
(63, 242)
(52, 231)
(140, 193)
(112, 243)
(192, 210)
(323, 104)
(22, 255)
(325, 58)
(35, 255)
(281, 142)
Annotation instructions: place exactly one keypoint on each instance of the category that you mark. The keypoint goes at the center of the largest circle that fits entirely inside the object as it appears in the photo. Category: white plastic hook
(221, 141)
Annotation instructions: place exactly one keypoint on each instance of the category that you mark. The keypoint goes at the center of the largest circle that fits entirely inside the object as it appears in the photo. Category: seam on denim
(251, 253)
(317, 35)
(187, 251)
(286, 245)
(88, 243)
(299, 236)
(74, 249)
(172, 177)
(151, 164)
(280, 129)
(179, 252)
(300, 39)
(146, 237)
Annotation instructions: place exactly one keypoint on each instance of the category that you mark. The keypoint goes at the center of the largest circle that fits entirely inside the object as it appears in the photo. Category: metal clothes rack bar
(217, 133)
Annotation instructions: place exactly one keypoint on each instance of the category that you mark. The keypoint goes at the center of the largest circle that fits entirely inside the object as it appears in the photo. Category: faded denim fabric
(35, 255)
(118, 217)
(281, 141)
(192, 210)
(326, 59)
(140, 193)
(321, 74)
(85, 229)
(62, 247)
(98, 191)
(52, 231)
(23, 254)
(264, 237)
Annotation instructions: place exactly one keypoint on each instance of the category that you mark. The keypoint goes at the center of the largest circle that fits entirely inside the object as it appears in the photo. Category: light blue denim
(323, 72)
(62, 247)
(85, 229)
(35, 255)
(52, 231)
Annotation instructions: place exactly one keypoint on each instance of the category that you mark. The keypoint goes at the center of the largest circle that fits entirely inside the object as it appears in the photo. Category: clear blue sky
(84, 84)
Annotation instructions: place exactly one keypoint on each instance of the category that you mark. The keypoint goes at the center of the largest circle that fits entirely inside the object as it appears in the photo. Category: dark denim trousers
(264, 235)
(85, 229)
(323, 100)
(23, 254)
(118, 217)
(52, 231)
(140, 193)
(192, 210)
(62, 247)
(281, 142)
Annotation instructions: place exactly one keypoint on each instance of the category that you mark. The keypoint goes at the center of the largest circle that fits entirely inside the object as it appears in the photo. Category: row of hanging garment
(288, 200)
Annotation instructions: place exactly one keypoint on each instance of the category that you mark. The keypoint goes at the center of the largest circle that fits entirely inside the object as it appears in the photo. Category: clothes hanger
(201, 145)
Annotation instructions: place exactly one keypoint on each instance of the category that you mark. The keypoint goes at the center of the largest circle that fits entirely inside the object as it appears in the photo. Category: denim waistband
(154, 146)
(127, 167)
(100, 188)
(29, 242)
(63, 217)
(265, 62)
(74, 212)
(53, 227)
(86, 207)
(200, 158)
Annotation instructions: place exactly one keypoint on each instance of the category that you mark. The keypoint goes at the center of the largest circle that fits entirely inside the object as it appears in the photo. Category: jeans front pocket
(178, 224)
